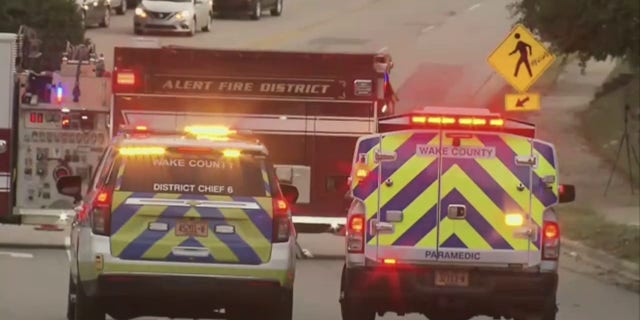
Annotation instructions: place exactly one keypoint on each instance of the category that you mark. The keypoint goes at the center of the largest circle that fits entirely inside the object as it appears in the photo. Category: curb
(625, 273)
(46, 246)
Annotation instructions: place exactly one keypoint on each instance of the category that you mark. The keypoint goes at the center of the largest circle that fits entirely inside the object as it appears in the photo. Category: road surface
(33, 286)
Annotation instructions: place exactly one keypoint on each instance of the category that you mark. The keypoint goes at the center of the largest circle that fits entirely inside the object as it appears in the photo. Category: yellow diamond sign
(521, 59)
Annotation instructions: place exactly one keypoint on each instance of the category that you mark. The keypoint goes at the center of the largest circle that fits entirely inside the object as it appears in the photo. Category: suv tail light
(355, 233)
(550, 241)
(281, 220)
(101, 213)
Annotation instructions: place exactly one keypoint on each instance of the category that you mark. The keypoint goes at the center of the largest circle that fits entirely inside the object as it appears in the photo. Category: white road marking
(473, 7)
(17, 254)
(383, 49)
(427, 29)
(67, 244)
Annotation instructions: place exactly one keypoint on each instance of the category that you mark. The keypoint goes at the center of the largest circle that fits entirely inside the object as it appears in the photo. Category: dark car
(254, 8)
(95, 12)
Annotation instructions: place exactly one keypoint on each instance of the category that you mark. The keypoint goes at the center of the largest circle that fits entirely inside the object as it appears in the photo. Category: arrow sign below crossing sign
(522, 102)
(521, 59)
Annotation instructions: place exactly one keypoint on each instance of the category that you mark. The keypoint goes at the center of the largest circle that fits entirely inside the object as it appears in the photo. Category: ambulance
(453, 216)
(307, 108)
(52, 124)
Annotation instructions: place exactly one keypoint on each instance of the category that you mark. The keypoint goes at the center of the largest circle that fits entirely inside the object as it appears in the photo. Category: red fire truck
(307, 108)
(51, 124)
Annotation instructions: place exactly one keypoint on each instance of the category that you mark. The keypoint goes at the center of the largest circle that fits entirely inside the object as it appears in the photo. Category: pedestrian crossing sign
(521, 59)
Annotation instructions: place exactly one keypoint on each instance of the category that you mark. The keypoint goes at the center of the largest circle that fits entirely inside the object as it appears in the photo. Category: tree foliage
(55, 22)
(590, 29)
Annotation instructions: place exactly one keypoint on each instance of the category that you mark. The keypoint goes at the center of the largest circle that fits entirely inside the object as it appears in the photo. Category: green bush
(55, 22)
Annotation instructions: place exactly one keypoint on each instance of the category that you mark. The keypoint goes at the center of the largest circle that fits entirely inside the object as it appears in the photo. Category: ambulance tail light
(550, 240)
(355, 233)
(281, 220)
(101, 212)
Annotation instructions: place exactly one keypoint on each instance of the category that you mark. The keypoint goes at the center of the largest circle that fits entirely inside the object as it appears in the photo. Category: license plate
(192, 229)
(452, 278)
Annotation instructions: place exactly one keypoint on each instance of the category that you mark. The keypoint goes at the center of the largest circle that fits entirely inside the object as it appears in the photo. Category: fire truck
(307, 108)
(52, 124)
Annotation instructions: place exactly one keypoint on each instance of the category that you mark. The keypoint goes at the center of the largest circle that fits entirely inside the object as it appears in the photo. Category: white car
(175, 16)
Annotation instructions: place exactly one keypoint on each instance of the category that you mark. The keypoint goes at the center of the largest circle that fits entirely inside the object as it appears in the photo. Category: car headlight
(140, 12)
(182, 15)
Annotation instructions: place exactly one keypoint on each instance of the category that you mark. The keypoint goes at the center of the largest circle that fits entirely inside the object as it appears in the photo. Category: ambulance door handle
(384, 227)
(3, 146)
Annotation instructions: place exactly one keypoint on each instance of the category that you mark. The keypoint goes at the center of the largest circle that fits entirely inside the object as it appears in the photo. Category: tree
(54, 21)
(591, 29)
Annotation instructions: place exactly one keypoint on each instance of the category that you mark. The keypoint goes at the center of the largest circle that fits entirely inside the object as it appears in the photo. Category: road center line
(17, 254)
(473, 7)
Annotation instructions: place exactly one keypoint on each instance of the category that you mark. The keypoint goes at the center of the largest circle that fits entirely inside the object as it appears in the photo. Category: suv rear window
(191, 174)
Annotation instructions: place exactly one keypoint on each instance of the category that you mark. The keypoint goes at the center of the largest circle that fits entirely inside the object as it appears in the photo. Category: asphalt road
(439, 48)
(33, 286)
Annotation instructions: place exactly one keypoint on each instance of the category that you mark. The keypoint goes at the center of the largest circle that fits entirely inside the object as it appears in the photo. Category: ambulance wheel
(71, 306)
(352, 310)
(282, 309)
(547, 312)
(87, 308)
(257, 10)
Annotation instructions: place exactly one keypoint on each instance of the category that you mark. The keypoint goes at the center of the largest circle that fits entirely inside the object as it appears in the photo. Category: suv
(452, 217)
(182, 225)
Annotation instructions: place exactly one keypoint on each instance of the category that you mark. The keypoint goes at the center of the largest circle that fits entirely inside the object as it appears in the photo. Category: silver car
(95, 12)
(174, 16)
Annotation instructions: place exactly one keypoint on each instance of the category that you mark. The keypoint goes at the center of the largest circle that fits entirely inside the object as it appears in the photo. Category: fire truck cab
(53, 124)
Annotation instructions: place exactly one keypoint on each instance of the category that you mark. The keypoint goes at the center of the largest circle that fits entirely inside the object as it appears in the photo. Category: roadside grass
(593, 230)
(603, 125)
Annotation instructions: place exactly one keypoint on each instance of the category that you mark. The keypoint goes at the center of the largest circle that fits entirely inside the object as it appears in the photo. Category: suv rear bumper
(192, 288)
(414, 290)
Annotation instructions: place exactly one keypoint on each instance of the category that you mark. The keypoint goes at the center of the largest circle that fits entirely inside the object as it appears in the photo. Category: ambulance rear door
(406, 224)
(485, 215)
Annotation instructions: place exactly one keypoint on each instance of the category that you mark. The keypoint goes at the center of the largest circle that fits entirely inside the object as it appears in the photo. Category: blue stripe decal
(410, 192)
(367, 144)
(420, 229)
(476, 220)
(240, 248)
(259, 217)
(454, 242)
(540, 191)
(142, 243)
(485, 182)
(403, 153)
(507, 157)
(124, 212)
(546, 151)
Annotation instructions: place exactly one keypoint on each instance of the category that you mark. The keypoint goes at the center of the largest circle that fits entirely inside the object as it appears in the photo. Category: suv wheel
(257, 10)
(87, 308)
(71, 296)
(283, 310)
(277, 11)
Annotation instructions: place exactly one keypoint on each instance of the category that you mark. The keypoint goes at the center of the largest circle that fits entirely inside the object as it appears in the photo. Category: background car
(174, 16)
(95, 12)
(254, 8)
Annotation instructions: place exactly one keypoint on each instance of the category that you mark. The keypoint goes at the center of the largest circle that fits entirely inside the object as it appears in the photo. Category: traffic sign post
(522, 102)
(521, 59)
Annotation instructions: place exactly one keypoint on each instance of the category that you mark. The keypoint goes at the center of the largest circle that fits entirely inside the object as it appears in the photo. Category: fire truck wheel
(87, 308)
(207, 27)
(71, 306)
(277, 11)
(257, 10)
(122, 9)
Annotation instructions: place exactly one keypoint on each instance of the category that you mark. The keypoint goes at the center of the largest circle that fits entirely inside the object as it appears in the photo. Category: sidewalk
(12, 236)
